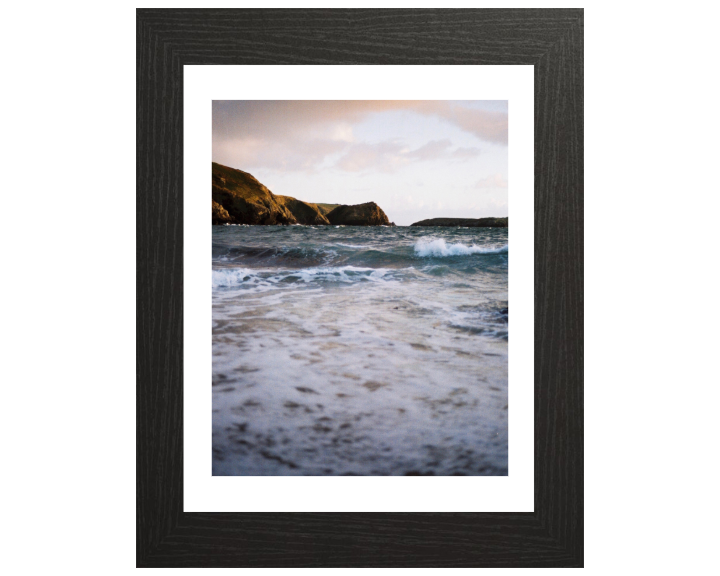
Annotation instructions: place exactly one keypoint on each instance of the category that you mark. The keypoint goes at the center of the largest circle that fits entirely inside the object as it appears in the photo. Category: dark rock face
(368, 214)
(304, 212)
(238, 198)
(219, 214)
(468, 222)
(326, 208)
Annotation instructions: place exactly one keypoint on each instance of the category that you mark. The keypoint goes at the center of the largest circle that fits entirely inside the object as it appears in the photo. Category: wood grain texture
(549, 39)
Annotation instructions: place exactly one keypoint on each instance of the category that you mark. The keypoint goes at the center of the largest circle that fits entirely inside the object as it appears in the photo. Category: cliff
(368, 214)
(325, 209)
(246, 200)
(304, 212)
(219, 214)
(239, 198)
(467, 222)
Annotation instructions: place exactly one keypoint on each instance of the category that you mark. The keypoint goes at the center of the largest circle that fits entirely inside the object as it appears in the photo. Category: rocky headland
(368, 214)
(239, 198)
(465, 222)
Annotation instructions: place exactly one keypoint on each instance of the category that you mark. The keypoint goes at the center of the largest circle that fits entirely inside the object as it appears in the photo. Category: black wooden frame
(549, 39)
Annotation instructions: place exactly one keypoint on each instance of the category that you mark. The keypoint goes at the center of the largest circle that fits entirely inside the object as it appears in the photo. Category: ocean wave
(351, 245)
(229, 277)
(438, 247)
(336, 274)
(280, 256)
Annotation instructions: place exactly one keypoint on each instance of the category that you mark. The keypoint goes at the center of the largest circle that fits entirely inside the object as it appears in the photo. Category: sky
(415, 159)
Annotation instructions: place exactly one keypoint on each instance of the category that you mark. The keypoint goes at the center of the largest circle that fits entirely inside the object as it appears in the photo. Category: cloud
(301, 135)
(486, 125)
(267, 118)
(432, 150)
(288, 155)
(465, 153)
(390, 155)
(492, 181)
(385, 157)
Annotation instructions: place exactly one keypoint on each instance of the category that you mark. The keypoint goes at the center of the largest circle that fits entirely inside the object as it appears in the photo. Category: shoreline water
(357, 350)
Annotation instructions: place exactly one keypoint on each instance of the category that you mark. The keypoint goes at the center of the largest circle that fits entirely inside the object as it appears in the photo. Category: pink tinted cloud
(302, 135)
(242, 118)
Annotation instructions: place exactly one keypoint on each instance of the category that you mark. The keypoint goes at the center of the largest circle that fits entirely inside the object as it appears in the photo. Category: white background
(206, 493)
(651, 252)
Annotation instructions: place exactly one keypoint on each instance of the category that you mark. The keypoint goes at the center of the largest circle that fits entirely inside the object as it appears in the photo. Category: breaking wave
(229, 277)
(439, 248)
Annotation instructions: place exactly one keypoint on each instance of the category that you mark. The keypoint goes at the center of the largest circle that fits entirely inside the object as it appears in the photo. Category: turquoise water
(359, 350)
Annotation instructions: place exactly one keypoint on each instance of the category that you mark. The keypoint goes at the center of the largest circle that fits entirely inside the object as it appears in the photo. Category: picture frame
(549, 39)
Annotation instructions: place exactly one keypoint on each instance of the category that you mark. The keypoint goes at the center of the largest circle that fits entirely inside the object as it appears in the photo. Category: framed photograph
(326, 376)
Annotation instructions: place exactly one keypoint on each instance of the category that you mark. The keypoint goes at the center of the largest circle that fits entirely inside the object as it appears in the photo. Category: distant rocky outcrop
(368, 214)
(239, 198)
(466, 222)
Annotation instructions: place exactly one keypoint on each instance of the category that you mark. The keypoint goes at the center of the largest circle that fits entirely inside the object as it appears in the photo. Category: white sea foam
(228, 277)
(351, 245)
(438, 247)
(225, 277)
(311, 379)
(335, 274)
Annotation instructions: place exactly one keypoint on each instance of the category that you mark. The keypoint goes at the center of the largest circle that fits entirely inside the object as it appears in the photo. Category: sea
(353, 350)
